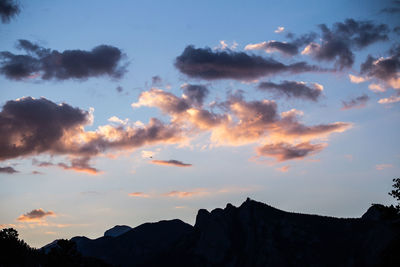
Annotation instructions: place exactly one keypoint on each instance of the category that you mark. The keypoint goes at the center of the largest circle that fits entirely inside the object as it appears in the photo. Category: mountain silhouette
(117, 230)
(253, 234)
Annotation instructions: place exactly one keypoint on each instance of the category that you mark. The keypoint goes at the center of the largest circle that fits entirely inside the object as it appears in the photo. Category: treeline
(15, 252)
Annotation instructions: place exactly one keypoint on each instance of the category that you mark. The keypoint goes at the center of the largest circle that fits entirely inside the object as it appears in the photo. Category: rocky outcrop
(256, 234)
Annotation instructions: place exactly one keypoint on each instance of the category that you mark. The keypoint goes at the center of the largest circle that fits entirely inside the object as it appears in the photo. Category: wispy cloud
(383, 166)
(138, 194)
(358, 102)
(283, 168)
(171, 162)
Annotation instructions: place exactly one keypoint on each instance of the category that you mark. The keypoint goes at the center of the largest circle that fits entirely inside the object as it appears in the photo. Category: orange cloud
(138, 194)
(381, 167)
(36, 215)
(283, 168)
(390, 100)
(171, 162)
(187, 194)
(356, 79)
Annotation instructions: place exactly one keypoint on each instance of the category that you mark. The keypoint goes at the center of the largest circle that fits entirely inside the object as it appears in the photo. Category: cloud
(139, 194)
(279, 29)
(287, 48)
(207, 64)
(54, 65)
(8, 170)
(386, 70)
(8, 10)
(284, 151)
(293, 89)
(35, 215)
(171, 162)
(358, 102)
(187, 194)
(283, 168)
(119, 89)
(337, 44)
(356, 79)
(77, 164)
(195, 94)
(241, 122)
(31, 126)
(381, 167)
(393, 9)
(376, 88)
(147, 154)
(156, 80)
(390, 100)
(275, 46)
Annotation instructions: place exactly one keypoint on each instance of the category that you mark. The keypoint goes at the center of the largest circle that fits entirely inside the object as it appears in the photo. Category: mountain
(136, 246)
(117, 230)
(255, 234)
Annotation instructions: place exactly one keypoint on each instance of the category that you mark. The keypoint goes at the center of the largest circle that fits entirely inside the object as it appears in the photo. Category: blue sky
(292, 145)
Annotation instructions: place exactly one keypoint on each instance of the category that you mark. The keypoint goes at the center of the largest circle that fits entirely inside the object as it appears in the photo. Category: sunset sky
(125, 112)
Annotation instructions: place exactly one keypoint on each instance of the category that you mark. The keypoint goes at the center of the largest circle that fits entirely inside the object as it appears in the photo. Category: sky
(128, 112)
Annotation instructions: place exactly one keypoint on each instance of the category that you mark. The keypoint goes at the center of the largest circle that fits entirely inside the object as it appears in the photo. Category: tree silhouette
(395, 193)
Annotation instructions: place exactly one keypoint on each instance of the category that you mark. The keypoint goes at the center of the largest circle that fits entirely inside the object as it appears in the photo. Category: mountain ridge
(254, 234)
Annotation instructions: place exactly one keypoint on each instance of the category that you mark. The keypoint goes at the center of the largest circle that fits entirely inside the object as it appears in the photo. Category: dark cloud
(35, 215)
(384, 69)
(8, 9)
(338, 43)
(396, 29)
(156, 80)
(9, 170)
(195, 94)
(285, 151)
(31, 126)
(171, 162)
(54, 65)
(211, 65)
(119, 89)
(293, 89)
(358, 102)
